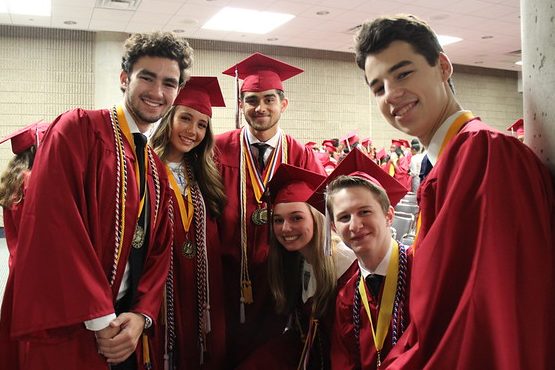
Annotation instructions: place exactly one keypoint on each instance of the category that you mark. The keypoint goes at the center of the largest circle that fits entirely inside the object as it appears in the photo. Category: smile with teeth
(400, 112)
(186, 140)
(290, 238)
(151, 103)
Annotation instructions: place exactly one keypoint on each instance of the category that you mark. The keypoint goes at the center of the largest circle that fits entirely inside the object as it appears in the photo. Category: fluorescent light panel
(41, 8)
(246, 20)
(447, 40)
(519, 63)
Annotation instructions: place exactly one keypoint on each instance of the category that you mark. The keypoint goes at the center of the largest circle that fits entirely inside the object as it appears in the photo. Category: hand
(128, 328)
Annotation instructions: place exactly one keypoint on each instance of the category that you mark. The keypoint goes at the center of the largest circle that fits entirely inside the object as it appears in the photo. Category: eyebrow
(401, 64)
(146, 72)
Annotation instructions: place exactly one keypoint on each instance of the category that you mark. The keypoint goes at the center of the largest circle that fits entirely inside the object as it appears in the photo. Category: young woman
(372, 307)
(13, 183)
(191, 331)
(303, 275)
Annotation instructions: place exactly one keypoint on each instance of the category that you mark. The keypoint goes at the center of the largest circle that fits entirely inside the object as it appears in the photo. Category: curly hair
(11, 181)
(158, 44)
(201, 158)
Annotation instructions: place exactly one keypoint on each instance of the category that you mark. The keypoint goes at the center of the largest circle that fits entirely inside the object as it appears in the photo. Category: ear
(389, 216)
(284, 104)
(123, 79)
(445, 66)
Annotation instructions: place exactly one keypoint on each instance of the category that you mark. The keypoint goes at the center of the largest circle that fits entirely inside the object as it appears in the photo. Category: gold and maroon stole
(453, 130)
(260, 216)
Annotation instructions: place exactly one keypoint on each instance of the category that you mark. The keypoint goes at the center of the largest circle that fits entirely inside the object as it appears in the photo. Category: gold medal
(260, 216)
(138, 237)
(188, 249)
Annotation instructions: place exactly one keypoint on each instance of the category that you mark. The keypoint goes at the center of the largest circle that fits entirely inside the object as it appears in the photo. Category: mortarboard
(518, 127)
(327, 142)
(380, 154)
(260, 73)
(201, 94)
(366, 142)
(292, 184)
(25, 137)
(310, 144)
(329, 148)
(404, 143)
(396, 142)
(358, 164)
(350, 138)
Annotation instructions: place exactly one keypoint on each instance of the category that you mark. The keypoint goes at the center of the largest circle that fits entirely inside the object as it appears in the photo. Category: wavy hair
(11, 181)
(200, 158)
(285, 271)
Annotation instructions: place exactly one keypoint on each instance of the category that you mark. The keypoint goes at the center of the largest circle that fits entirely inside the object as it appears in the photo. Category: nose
(260, 108)
(355, 223)
(392, 93)
(286, 226)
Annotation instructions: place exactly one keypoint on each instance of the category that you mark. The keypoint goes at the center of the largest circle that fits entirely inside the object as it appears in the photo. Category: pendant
(260, 216)
(188, 249)
(138, 237)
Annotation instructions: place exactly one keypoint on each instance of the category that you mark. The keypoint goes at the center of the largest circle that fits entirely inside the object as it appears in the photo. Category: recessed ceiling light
(487, 37)
(519, 63)
(178, 31)
(479, 62)
(42, 8)
(70, 23)
(246, 20)
(322, 12)
(272, 39)
(445, 40)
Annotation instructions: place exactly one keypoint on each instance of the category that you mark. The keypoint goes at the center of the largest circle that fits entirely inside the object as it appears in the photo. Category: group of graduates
(239, 251)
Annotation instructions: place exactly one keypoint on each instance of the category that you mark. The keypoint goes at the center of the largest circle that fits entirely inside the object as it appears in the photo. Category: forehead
(260, 94)
(358, 196)
(164, 67)
(291, 207)
(395, 53)
(182, 109)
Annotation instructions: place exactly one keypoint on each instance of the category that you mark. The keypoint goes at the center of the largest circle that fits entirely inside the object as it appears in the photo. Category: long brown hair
(201, 160)
(11, 181)
(284, 271)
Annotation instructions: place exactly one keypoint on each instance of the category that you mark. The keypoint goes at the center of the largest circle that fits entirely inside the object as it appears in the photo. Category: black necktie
(425, 168)
(262, 147)
(374, 283)
(140, 143)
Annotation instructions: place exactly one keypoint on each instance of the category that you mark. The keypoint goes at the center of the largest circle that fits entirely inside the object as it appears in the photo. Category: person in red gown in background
(371, 309)
(248, 158)
(13, 185)
(399, 164)
(89, 275)
(483, 274)
(191, 331)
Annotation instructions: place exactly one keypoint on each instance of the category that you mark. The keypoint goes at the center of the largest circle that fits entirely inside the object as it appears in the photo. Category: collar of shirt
(437, 139)
(273, 141)
(381, 269)
(133, 128)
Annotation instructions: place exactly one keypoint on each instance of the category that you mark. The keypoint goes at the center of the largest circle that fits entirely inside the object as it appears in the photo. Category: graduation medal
(260, 216)
(138, 237)
(188, 249)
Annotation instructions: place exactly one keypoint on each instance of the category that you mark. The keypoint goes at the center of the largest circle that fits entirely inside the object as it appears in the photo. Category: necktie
(262, 147)
(140, 143)
(374, 283)
(425, 168)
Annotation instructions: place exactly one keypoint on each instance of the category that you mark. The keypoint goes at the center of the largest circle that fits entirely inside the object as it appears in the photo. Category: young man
(371, 309)
(483, 274)
(248, 158)
(90, 270)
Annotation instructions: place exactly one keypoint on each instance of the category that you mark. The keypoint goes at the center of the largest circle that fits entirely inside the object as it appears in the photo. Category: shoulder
(227, 138)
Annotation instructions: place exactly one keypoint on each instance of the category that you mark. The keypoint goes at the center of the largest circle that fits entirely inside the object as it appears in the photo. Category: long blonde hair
(201, 159)
(11, 181)
(284, 271)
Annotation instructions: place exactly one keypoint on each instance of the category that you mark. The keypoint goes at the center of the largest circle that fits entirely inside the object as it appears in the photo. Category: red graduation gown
(344, 352)
(187, 348)
(261, 320)
(11, 351)
(65, 257)
(483, 275)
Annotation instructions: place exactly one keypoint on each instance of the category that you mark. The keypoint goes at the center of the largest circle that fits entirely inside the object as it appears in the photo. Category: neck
(450, 108)
(308, 254)
(263, 136)
(372, 258)
(141, 124)
(174, 156)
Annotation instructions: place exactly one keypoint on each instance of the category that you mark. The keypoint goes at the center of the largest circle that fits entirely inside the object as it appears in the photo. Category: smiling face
(293, 225)
(412, 95)
(188, 129)
(150, 89)
(262, 111)
(360, 220)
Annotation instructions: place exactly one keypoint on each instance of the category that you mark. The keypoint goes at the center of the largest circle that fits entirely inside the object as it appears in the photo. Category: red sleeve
(342, 350)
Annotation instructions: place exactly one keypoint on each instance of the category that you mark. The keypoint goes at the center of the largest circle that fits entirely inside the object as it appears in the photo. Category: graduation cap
(329, 148)
(23, 138)
(310, 144)
(380, 154)
(260, 73)
(359, 165)
(201, 94)
(396, 142)
(518, 127)
(404, 143)
(292, 184)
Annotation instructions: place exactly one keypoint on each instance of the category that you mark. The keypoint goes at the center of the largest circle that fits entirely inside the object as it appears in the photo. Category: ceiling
(490, 28)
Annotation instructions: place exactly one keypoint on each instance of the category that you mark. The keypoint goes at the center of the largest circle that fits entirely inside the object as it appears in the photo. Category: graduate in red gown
(371, 309)
(399, 164)
(13, 186)
(250, 314)
(483, 274)
(191, 331)
(75, 269)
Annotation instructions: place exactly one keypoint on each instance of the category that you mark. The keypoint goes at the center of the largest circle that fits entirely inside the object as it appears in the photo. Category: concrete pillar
(107, 68)
(538, 77)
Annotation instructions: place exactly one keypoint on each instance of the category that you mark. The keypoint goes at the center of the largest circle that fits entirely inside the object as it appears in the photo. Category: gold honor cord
(124, 126)
(386, 303)
(454, 129)
(186, 211)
